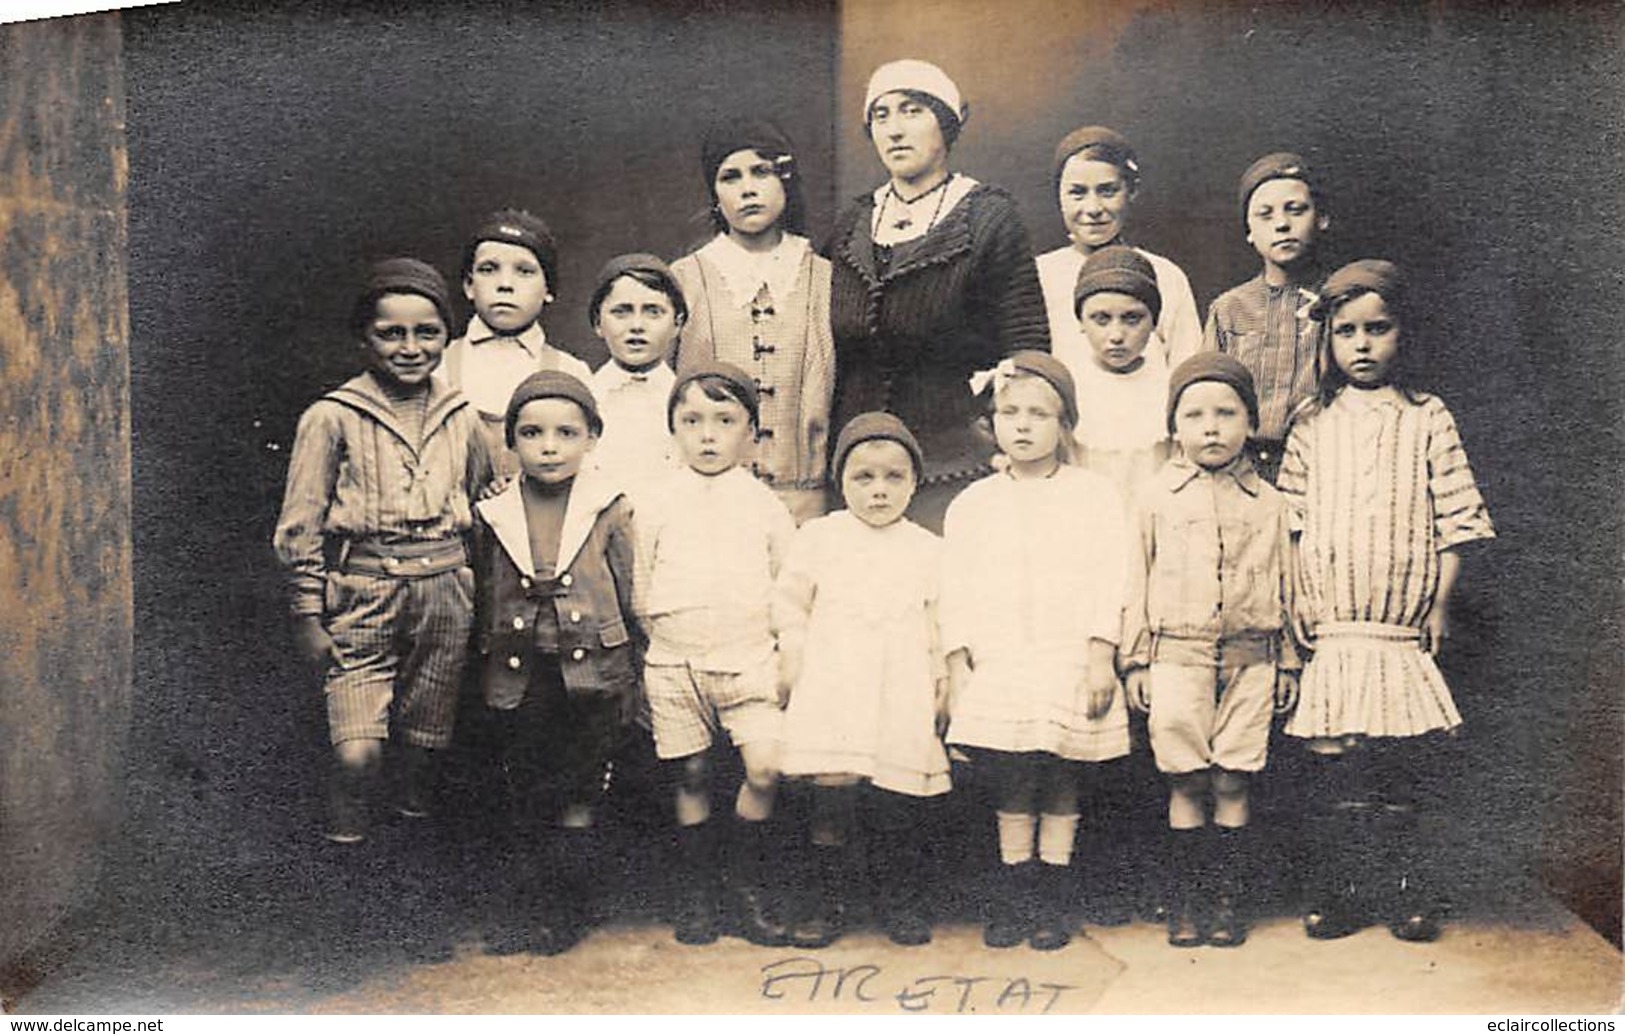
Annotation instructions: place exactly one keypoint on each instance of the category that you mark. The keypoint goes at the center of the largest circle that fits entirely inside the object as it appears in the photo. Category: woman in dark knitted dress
(933, 280)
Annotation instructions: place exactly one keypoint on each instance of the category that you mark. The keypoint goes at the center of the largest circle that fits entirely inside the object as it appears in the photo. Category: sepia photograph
(812, 507)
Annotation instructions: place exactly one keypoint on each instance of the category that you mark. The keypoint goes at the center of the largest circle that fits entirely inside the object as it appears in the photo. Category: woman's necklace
(904, 220)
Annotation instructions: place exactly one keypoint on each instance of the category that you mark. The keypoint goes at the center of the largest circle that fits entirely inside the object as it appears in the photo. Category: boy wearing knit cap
(558, 664)
(638, 311)
(1265, 322)
(372, 533)
(710, 541)
(1122, 383)
(510, 273)
(1096, 178)
(1207, 648)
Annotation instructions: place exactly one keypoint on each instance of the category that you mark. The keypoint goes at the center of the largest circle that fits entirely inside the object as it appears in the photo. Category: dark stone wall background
(65, 607)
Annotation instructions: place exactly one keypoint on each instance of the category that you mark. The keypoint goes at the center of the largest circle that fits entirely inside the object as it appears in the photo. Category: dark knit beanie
(742, 134)
(552, 384)
(1042, 364)
(743, 384)
(400, 276)
(1102, 143)
(1362, 276)
(1122, 270)
(1281, 165)
(869, 427)
(638, 262)
(514, 226)
(1212, 366)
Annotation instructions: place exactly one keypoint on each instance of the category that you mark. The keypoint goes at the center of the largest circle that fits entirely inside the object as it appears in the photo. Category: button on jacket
(586, 608)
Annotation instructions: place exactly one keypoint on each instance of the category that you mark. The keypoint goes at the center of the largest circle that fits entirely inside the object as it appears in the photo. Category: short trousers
(402, 645)
(1206, 717)
(688, 707)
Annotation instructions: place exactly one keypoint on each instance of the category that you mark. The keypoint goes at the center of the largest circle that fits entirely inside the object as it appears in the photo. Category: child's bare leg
(761, 785)
(1230, 799)
(692, 789)
(350, 793)
(1187, 799)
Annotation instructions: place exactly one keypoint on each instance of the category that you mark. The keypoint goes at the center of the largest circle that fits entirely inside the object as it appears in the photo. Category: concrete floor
(1543, 961)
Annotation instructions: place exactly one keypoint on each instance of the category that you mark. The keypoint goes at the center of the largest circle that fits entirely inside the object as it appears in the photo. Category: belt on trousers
(403, 559)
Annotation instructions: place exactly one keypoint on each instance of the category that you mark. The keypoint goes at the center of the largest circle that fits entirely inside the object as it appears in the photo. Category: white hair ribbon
(999, 376)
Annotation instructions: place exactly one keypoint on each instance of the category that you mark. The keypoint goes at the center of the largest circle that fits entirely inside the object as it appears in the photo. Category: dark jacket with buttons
(910, 331)
(589, 599)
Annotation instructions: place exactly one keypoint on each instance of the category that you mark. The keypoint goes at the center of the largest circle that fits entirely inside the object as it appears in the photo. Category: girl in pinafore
(855, 612)
(758, 297)
(1382, 491)
(1034, 560)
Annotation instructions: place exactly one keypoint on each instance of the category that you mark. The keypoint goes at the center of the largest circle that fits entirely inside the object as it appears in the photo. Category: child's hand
(789, 670)
(314, 644)
(1102, 685)
(495, 487)
(1286, 691)
(959, 673)
(1435, 629)
(943, 700)
(1138, 685)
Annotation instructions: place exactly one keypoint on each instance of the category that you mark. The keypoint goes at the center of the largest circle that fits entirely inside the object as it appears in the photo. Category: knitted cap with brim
(515, 226)
(1362, 276)
(1281, 165)
(401, 276)
(741, 134)
(552, 384)
(636, 262)
(744, 386)
(1051, 370)
(1103, 143)
(1212, 366)
(1121, 270)
(869, 427)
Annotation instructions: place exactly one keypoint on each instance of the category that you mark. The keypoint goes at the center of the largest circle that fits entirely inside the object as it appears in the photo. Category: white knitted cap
(913, 74)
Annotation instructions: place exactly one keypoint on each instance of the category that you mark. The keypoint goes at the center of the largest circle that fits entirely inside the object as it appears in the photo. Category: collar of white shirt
(533, 339)
(1180, 472)
(744, 273)
(612, 376)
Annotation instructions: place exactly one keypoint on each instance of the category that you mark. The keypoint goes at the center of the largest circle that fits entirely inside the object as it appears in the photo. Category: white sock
(1056, 834)
(1016, 837)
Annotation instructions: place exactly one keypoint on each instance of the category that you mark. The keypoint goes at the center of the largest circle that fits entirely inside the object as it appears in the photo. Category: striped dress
(1378, 486)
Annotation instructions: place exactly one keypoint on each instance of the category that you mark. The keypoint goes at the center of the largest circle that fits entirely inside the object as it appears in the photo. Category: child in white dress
(1034, 561)
(855, 613)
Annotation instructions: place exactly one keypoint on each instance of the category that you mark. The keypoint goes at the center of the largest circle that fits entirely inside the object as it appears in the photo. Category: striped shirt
(1267, 329)
(358, 472)
(1378, 486)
